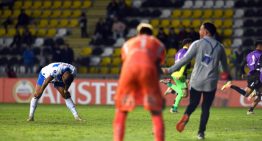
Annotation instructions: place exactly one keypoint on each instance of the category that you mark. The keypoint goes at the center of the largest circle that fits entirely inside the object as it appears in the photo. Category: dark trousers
(84, 32)
(208, 98)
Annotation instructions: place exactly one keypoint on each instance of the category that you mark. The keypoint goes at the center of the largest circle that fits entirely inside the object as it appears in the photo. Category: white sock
(71, 106)
(33, 105)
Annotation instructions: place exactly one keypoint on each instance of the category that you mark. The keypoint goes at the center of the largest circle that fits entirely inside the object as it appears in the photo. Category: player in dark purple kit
(254, 88)
(179, 77)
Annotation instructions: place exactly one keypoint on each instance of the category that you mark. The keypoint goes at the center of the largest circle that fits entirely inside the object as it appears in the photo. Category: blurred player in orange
(139, 81)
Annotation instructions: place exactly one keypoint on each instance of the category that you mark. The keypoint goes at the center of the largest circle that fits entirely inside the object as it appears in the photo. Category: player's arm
(46, 82)
(191, 53)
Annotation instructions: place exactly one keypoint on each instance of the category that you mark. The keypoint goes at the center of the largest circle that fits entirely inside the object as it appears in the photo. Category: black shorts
(253, 81)
(58, 84)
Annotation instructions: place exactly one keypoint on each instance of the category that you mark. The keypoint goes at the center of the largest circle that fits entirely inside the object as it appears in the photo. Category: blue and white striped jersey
(57, 69)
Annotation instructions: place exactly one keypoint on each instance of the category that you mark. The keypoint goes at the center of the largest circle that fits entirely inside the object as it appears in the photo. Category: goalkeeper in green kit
(179, 77)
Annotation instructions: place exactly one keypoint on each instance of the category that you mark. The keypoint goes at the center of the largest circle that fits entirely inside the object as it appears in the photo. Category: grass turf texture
(55, 122)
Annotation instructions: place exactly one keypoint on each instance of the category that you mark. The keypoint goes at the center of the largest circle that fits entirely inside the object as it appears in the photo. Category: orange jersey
(139, 78)
(143, 49)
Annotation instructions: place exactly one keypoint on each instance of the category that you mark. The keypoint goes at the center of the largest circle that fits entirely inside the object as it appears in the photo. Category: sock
(71, 106)
(169, 84)
(119, 125)
(254, 104)
(251, 109)
(239, 90)
(174, 107)
(158, 127)
(33, 105)
(178, 99)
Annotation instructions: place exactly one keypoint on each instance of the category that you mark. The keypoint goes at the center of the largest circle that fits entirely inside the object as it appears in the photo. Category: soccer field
(55, 122)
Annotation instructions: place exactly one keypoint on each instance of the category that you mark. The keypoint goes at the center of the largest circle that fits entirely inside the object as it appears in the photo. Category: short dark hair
(186, 41)
(146, 30)
(210, 27)
(258, 42)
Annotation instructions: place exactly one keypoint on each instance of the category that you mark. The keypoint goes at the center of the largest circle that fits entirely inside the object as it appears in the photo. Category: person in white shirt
(61, 75)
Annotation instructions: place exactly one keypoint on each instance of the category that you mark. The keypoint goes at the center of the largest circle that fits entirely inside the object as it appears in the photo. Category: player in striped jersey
(61, 75)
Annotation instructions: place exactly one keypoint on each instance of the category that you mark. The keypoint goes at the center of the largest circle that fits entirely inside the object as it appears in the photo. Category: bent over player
(139, 81)
(61, 75)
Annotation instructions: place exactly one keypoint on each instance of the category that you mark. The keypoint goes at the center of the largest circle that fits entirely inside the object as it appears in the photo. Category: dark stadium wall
(100, 92)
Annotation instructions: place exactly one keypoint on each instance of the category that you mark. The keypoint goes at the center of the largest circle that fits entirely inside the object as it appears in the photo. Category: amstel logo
(23, 91)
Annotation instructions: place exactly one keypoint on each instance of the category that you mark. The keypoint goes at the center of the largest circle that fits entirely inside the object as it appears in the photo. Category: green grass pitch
(55, 123)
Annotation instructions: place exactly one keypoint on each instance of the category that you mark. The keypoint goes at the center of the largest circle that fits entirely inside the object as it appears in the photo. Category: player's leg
(226, 85)
(241, 91)
(153, 100)
(124, 101)
(195, 97)
(126, 90)
(34, 102)
(252, 95)
(181, 87)
(253, 82)
(35, 98)
(208, 98)
(119, 125)
(179, 96)
(245, 92)
(158, 125)
(69, 102)
(257, 98)
(169, 90)
(255, 87)
(254, 104)
(185, 90)
(179, 92)
(178, 99)
(176, 102)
